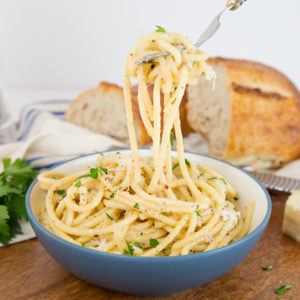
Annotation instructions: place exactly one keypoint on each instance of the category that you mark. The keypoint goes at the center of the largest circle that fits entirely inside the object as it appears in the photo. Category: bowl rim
(237, 243)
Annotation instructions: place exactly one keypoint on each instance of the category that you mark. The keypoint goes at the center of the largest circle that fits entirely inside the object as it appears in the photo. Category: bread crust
(265, 113)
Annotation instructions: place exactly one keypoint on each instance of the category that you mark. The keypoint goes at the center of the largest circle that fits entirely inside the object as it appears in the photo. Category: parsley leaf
(130, 249)
(14, 182)
(172, 138)
(153, 243)
(100, 153)
(175, 166)
(82, 244)
(136, 206)
(5, 190)
(187, 163)
(282, 289)
(198, 213)
(173, 101)
(109, 216)
(220, 178)
(78, 184)
(94, 173)
(267, 268)
(139, 245)
(102, 170)
(62, 193)
(223, 180)
(159, 29)
(4, 228)
(112, 195)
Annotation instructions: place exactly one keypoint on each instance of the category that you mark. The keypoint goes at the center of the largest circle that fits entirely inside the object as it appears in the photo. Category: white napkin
(45, 138)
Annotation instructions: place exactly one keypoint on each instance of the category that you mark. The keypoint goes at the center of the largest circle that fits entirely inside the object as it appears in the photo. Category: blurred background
(56, 49)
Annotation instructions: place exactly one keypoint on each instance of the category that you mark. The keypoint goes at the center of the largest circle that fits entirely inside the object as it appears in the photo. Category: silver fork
(208, 33)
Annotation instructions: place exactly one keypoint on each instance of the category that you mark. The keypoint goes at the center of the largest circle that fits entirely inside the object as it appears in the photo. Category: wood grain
(27, 271)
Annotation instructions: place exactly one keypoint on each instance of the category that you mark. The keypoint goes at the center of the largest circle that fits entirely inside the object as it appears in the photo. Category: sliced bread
(252, 116)
(102, 110)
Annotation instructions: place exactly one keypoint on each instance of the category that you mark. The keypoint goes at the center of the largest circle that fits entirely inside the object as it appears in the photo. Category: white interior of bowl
(246, 186)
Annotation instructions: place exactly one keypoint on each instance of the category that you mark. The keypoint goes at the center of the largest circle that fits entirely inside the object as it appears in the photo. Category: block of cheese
(291, 218)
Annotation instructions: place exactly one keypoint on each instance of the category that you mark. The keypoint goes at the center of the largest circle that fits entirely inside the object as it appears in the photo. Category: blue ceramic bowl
(145, 276)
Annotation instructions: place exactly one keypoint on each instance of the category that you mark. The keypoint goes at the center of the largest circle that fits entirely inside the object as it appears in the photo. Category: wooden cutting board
(27, 271)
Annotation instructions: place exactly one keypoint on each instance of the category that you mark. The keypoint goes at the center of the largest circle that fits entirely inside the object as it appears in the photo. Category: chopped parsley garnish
(102, 170)
(187, 163)
(164, 213)
(198, 214)
(100, 153)
(173, 101)
(109, 216)
(78, 184)
(136, 206)
(82, 244)
(175, 166)
(172, 138)
(153, 41)
(112, 196)
(235, 198)
(159, 29)
(282, 289)
(137, 244)
(267, 268)
(118, 152)
(62, 193)
(222, 179)
(94, 173)
(153, 243)
(130, 249)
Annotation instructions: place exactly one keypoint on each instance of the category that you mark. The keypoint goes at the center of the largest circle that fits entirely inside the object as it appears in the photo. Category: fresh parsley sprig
(14, 182)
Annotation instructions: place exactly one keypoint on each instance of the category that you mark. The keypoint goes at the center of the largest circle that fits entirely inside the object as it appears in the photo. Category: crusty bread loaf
(252, 116)
(102, 110)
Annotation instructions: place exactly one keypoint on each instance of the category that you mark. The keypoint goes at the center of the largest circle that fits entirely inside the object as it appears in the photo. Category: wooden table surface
(27, 271)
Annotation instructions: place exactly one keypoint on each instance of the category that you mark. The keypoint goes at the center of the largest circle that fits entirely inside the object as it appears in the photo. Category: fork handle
(234, 3)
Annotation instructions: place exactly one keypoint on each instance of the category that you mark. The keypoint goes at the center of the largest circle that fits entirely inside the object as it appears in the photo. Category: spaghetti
(160, 205)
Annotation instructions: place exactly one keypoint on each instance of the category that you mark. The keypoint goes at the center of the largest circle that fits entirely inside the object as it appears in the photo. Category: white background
(60, 47)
